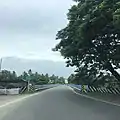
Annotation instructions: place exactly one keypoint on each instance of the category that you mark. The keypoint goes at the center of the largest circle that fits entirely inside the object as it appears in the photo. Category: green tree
(6, 75)
(36, 77)
(14, 75)
(92, 36)
(61, 80)
(47, 77)
(30, 72)
(53, 78)
(23, 76)
(42, 79)
(71, 79)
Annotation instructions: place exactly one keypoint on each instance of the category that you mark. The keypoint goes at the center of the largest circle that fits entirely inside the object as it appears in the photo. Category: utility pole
(0, 64)
(28, 85)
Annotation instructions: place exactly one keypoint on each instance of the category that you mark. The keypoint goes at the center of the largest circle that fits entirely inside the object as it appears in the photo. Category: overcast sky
(28, 27)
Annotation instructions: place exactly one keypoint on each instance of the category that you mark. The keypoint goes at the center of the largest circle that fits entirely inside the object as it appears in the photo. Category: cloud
(30, 26)
(41, 66)
(33, 16)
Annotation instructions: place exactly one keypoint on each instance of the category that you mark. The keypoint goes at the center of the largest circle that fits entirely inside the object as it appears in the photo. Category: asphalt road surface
(59, 103)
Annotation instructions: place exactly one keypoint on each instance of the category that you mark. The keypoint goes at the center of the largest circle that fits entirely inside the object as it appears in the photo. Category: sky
(28, 27)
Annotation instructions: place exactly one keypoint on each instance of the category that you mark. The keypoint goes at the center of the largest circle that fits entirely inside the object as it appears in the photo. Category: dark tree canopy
(92, 36)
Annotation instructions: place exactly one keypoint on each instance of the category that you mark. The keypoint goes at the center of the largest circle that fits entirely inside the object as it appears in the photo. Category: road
(59, 103)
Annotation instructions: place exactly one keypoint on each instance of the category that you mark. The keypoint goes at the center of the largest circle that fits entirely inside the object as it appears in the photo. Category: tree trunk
(114, 72)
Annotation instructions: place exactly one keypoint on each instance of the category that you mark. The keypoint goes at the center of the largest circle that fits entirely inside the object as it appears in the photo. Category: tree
(53, 78)
(61, 80)
(30, 72)
(71, 79)
(14, 75)
(47, 77)
(31, 77)
(92, 36)
(83, 76)
(25, 75)
(8, 76)
(36, 77)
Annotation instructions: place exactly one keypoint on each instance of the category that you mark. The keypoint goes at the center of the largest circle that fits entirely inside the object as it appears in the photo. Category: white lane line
(17, 100)
(96, 99)
(23, 98)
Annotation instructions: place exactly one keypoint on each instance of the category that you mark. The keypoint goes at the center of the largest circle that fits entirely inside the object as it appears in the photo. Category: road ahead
(59, 103)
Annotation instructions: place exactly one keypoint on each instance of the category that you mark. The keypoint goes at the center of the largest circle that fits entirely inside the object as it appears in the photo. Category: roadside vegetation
(35, 78)
(91, 42)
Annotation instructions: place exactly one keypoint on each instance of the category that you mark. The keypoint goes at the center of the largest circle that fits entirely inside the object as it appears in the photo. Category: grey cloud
(46, 66)
(30, 26)
(33, 16)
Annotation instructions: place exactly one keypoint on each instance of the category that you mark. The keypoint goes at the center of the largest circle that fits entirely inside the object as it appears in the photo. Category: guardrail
(10, 91)
(22, 90)
(87, 89)
(43, 87)
(104, 90)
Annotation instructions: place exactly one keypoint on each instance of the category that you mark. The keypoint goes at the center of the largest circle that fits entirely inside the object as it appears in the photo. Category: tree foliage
(83, 78)
(92, 36)
(36, 77)
(7, 75)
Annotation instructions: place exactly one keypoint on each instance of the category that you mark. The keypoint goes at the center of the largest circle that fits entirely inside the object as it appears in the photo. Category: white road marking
(17, 100)
(23, 98)
(96, 99)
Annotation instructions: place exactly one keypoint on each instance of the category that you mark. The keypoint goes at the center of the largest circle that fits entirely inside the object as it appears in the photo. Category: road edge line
(23, 98)
(96, 99)
(18, 100)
